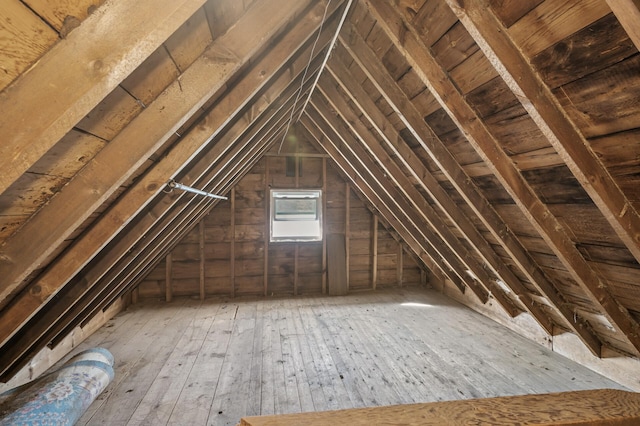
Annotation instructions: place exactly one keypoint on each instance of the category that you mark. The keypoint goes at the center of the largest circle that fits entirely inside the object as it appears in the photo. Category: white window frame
(296, 215)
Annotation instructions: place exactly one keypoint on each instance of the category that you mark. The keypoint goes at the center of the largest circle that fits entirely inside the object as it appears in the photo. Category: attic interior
(482, 153)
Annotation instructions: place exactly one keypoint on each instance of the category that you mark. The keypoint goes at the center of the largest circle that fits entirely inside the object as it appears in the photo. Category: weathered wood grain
(95, 57)
(628, 13)
(596, 47)
(64, 15)
(24, 38)
(554, 20)
(389, 347)
(554, 233)
(545, 110)
(160, 179)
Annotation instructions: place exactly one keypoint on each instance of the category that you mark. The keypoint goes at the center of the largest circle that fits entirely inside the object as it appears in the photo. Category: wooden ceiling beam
(159, 251)
(76, 303)
(628, 13)
(219, 176)
(394, 142)
(436, 265)
(406, 38)
(63, 86)
(154, 180)
(164, 235)
(545, 110)
(418, 206)
(360, 162)
(371, 65)
(196, 175)
(103, 175)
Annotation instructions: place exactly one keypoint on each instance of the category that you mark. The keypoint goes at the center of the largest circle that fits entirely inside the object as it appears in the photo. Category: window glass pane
(296, 215)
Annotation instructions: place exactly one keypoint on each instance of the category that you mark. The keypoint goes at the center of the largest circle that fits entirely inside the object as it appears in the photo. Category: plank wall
(230, 241)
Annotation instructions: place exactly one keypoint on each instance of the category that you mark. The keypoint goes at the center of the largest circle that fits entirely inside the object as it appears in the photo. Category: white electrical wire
(304, 75)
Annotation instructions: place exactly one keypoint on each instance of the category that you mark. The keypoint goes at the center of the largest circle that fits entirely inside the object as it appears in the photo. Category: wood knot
(69, 24)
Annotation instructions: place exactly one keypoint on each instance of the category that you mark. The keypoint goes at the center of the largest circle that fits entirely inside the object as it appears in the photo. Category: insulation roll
(61, 397)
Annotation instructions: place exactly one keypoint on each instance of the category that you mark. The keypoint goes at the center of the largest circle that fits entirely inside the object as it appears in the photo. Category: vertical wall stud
(374, 252)
(202, 257)
(168, 276)
(347, 227)
(324, 226)
(267, 231)
(232, 248)
(400, 265)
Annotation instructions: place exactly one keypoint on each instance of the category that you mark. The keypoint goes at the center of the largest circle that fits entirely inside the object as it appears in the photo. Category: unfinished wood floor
(195, 363)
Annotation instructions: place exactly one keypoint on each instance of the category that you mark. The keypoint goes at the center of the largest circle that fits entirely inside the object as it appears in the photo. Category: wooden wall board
(433, 20)
(618, 151)
(556, 185)
(490, 187)
(63, 14)
(587, 225)
(552, 21)
(455, 47)
(518, 134)
(154, 75)
(24, 37)
(473, 72)
(492, 97)
(189, 41)
(606, 101)
(378, 41)
(510, 11)
(111, 115)
(395, 63)
(69, 155)
(441, 124)
(596, 47)
(361, 18)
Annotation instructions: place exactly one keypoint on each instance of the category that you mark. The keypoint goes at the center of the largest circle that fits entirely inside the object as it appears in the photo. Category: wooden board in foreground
(592, 407)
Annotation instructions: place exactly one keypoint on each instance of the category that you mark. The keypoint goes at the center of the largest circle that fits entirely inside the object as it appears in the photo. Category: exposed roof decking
(544, 197)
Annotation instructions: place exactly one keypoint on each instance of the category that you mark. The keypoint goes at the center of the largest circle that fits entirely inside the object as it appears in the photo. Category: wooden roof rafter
(628, 13)
(160, 239)
(134, 200)
(248, 143)
(426, 214)
(406, 38)
(422, 175)
(462, 182)
(397, 205)
(156, 123)
(545, 110)
(96, 57)
(324, 137)
(77, 303)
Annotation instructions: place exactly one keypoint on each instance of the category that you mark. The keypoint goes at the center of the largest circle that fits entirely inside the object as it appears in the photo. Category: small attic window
(296, 215)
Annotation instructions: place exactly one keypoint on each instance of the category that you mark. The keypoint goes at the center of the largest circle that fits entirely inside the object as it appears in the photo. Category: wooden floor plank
(309, 364)
(158, 404)
(267, 390)
(139, 361)
(230, 398)
(196, 398)
(255, 370)
(336, 314)
(297, 362)
(335, 391)
(291, 397)
(319, 353)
